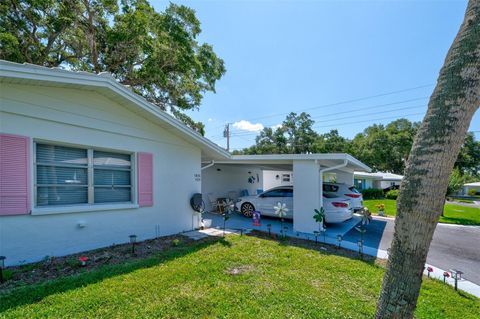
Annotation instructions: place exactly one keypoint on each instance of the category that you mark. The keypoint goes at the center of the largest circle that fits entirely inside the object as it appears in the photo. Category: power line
(340, 102)
(382, 112)
(368, 108)
(344, 102)
(346, 117)
(347, 123)
(349, 111)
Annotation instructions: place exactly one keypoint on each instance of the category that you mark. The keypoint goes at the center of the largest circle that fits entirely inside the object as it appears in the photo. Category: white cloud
(210, 120)
(276, 126)
(248, 126)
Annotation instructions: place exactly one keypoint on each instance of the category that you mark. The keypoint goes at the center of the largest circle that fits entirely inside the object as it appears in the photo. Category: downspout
(345, 163)
(208, 165)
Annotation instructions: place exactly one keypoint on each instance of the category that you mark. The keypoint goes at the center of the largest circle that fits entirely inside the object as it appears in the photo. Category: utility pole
(226, 133)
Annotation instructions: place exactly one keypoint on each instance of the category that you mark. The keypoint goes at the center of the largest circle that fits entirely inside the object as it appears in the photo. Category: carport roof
(325, 159)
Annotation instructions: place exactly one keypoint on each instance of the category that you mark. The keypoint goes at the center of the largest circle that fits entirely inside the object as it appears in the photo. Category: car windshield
(330, 188)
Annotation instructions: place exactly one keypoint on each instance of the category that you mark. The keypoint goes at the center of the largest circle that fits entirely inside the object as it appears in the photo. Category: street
(452, 246)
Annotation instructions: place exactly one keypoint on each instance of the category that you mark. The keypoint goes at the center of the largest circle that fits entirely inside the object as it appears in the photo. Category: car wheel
(247, 209)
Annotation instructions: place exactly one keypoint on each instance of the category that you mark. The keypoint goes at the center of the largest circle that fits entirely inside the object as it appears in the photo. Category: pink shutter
(145, 179)
(14, 175)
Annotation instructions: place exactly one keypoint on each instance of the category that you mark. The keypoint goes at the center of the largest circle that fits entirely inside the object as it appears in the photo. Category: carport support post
(306, 197)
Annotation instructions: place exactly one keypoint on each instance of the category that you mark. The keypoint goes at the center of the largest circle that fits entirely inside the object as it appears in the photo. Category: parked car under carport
(337, 209)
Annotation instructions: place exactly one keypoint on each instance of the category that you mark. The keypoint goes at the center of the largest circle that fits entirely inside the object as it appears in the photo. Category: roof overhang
(106, 85)
(286, 160)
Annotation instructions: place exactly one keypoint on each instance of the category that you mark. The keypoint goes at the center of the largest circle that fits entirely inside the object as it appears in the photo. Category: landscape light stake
(456, 275)
(446, 274)
(269, 227)
(133, 240)
(316, 233)
(339, 240)
(2, 265)
(360, 248)
(429, 270)
(285, 229)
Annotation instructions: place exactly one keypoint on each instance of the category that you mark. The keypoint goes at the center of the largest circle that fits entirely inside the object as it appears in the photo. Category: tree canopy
(382, 147)
(157, 54)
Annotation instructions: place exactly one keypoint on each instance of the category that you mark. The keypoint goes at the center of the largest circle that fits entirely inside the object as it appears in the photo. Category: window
(112, 177)
(69, 176)
(280, 192)
(330, 188)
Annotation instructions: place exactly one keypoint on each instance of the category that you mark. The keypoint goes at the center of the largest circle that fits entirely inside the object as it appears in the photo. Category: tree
(294, 136)
(435, 149)
(468, 161)
(157, 54)
(299, 133)
(331, 142)
(385, 148)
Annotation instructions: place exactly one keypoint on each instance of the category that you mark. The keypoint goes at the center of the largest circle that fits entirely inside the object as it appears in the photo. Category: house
(85, 162)
(380, 180)
(468, 186)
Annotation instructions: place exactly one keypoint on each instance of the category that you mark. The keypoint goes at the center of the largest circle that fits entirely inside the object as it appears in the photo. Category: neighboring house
(467, 187)
(85, 162)
(380, 180)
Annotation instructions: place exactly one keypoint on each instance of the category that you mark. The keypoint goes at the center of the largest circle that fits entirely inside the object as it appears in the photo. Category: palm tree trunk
(422, 193)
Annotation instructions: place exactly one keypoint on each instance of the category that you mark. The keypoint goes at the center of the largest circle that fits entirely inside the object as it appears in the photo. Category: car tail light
(353, 195)
(339, 204)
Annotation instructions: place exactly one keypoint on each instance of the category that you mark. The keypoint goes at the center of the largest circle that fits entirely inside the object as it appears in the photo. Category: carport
(243, 173)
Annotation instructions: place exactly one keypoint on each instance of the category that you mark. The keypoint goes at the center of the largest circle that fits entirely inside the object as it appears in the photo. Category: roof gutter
(208, 165)
(326, 169)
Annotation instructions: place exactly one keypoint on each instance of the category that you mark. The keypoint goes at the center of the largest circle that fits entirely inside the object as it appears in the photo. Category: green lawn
(454, 214)
(238, 277)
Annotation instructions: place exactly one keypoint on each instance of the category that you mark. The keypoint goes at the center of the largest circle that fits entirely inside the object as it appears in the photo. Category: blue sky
(327, 57)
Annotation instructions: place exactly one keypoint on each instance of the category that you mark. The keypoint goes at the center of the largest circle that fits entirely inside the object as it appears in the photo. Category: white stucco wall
(344, 177)
(306, 196)
(221, 179)
(270, 179)
(86, 118)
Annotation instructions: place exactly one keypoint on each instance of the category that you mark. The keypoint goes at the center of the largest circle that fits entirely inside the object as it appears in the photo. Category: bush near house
(372, 193)
(234, 277)
(392, 194)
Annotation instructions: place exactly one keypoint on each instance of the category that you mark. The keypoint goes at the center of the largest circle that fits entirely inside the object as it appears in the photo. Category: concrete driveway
(452, 246)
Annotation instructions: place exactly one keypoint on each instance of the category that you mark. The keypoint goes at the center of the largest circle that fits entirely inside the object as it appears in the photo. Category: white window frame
(90, 205)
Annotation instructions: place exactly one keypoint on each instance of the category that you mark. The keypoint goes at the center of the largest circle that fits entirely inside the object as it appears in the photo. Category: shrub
(392, 194)
(7, 274)
(372, 193)
(472, 192)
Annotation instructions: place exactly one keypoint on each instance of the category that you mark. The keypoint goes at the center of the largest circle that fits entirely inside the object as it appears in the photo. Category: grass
(236, 277)
(453, 214)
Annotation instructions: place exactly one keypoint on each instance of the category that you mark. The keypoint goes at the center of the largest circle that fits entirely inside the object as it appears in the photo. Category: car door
(288, 200)
(269, 199)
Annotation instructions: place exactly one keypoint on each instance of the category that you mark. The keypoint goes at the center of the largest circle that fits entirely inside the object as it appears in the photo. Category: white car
(337, 209)
(345, 191)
